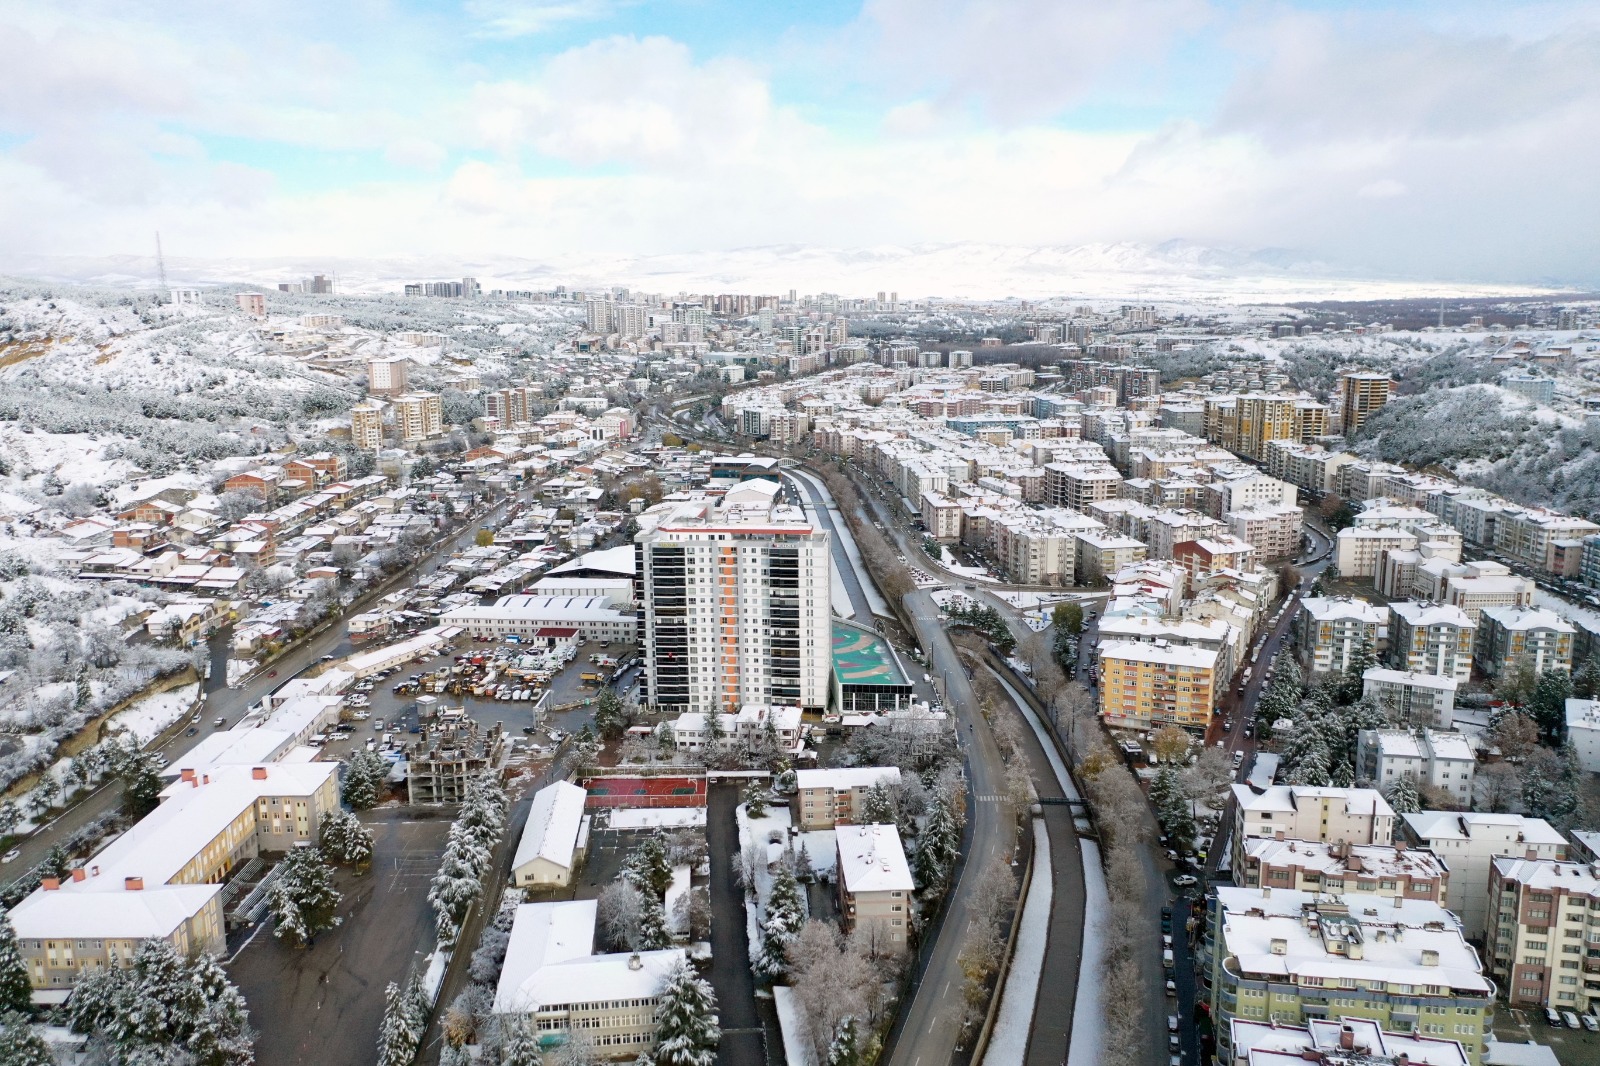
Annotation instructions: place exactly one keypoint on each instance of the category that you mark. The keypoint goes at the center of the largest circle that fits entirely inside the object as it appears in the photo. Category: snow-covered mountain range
(1172, 270)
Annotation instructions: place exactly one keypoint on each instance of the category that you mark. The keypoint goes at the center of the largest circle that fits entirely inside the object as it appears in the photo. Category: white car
(11, 856)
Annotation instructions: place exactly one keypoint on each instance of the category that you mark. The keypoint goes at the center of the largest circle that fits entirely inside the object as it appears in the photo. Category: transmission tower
(161, 263)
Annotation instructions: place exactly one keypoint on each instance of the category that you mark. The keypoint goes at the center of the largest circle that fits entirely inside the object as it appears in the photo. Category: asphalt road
(932, 1020)
(743, 1040)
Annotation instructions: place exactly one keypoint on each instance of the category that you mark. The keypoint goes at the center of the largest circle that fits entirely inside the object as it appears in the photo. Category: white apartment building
(1583, 732)
(1077, 485)
(1299, 812)
(875, 885)
(1425, 700)
(1329, 629)
(1101, 554)
(419, 416)
(1440, 760)
(1359, 547)
(1275, 531)
(736, 605)
(1431, 638)
(1468, 842)
(829, 797)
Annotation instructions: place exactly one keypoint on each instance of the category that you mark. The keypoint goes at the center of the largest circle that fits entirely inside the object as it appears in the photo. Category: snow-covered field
(1008, 1043)
(657, 817)
(148, 717)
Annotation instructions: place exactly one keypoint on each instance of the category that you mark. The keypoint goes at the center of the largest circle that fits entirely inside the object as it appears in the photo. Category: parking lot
(398, 713)
(1573, 1047)
(336, 987)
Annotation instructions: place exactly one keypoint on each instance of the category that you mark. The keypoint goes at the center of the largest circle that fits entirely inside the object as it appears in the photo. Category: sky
(1455, 139)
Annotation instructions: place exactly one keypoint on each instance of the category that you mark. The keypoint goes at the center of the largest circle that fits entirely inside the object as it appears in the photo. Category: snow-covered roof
(550, 961)
(1417, 613)
(871, 859)
(1464, 825)
(1285, 798)
(554, 819)
(1160, 652)
(840, 778)
(113, 915)
(1333, 608)
(1413, 678)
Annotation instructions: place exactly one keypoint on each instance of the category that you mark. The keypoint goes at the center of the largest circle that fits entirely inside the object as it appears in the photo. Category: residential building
(1431, 638)
(554, 837)
(366, 426)
(735, 597)
(875, 885)
(1077, 485)
(1338, 1040)
(1359, 548)
(1275, 531)
(253, 304)
(1507, 635)
(1362, 394)
(1425, 700)
(1392, 871)
(388, 377)
(553, 982)
(1583, 732)
(1544, 942)
(834, 796)
(418, 416)
(1293, 958)
(1330, 629)
(1442, 762)
(1157, 683)
(1100, 554)
(1467, 842)
(1300, 812)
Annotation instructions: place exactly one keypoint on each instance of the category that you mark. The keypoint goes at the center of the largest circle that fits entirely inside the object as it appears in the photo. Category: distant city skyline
(1429, 140)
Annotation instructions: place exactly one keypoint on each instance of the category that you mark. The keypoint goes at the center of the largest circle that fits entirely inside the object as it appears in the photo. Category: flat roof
(871, 859)
(843, 777)
(862, 657)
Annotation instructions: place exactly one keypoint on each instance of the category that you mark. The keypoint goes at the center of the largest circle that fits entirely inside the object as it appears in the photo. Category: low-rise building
(554, 837)
(1583, 732)
(1468, 842)
(834, 796)
(553, 982)
(875, 885)
(521, 616)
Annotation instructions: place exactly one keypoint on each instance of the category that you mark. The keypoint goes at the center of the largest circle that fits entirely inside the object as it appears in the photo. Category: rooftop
(1160, 652)
(862, 657)
(550, 961)
(840, 778)
(1458, 825)
(871, 859)
(1378, 860)
(1286, 798)
(1338, 1042)
(554, 819)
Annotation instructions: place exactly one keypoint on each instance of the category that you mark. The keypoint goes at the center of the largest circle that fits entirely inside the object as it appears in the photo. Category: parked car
(11, 856)
(1186, 880)
(1571, 1019)
(1590, 1022)
(1552, 1017)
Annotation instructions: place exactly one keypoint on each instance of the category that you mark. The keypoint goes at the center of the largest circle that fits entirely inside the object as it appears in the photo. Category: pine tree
(653, 931)
(303, 901)
(397, 1040)
(519, 1046)
(786, 913)
(364, 772)
(1548, 705)
(878, 806)
(937, 844)
(845, 1049)
(345, 840)
(755, 800)
(1362, 659)
(20, 1045)
(648, 867)
(1403, 796)
(686, 1028)
(16, 994)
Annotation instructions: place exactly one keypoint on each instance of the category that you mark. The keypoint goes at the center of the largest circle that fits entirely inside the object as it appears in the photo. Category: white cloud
(525, 18)
(1382, 189)
(415, 153)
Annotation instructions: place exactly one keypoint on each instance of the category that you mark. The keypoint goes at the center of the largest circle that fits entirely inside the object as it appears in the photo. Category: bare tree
(1208, 779)
(621, 912)
(833, 976)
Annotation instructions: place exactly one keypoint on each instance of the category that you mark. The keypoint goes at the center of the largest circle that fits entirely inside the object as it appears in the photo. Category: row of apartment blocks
(1431, 638)
(1558, 544)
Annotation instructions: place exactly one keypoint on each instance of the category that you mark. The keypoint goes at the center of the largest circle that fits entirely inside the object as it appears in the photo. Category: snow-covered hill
(1172, 270)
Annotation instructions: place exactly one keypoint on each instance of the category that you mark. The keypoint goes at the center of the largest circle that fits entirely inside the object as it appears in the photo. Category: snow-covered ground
(875, 599)
(1008, 1043)
(756, 837)
(1088, 1011)
(148, 717)
(791, 1020)
(821, 848)
(657, 817)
